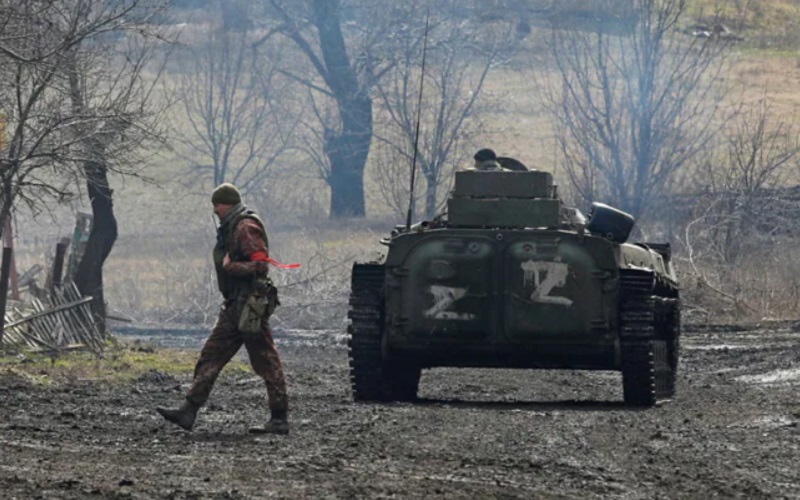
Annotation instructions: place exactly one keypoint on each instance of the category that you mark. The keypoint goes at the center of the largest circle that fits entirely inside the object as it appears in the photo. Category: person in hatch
(486, 161)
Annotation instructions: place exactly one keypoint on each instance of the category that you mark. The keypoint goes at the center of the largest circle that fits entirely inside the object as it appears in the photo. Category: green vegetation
(118, 365)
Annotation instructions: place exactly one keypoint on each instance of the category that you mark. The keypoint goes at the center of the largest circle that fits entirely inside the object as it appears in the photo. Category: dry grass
(177, 284)
(761, 286)
(755, 15)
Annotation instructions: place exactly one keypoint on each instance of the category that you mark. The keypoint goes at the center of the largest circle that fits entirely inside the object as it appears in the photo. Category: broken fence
(66, 323)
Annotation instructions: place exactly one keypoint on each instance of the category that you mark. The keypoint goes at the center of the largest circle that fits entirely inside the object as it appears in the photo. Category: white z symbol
(555, 275)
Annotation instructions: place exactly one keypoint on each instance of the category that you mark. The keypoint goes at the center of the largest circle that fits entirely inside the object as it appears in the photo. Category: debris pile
(55, 317)
(65, 323)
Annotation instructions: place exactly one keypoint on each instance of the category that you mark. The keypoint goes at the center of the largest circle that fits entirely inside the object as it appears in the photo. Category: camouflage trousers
(223, 343)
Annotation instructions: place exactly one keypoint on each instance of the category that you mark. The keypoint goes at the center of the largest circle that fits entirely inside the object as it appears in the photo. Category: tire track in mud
(731, 431)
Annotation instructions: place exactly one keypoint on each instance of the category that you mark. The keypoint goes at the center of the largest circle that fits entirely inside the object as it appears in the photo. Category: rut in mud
(731, 431)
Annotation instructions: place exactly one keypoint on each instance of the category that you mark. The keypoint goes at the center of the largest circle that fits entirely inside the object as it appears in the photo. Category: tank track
(674, 344)
(645, 341)
(373, 379)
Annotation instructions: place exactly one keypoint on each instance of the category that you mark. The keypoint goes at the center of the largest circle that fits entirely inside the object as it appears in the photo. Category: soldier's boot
(183, 416)
(278, 424)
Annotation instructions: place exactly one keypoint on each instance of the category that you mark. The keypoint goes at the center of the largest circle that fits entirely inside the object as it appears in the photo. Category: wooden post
(58, 264)
(8, 237)
(8, 251)
(4, 272)
(83, 227)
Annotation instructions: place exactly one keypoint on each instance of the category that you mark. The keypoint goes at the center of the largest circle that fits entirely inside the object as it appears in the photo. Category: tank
(510, 277)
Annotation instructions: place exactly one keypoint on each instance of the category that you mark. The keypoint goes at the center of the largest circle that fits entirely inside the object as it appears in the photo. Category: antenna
(419, 112)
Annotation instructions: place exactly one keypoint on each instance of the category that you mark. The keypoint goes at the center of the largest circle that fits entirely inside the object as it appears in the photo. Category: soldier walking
(241, 261)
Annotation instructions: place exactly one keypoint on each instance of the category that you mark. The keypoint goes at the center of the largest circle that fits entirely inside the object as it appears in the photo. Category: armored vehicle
(510, 277)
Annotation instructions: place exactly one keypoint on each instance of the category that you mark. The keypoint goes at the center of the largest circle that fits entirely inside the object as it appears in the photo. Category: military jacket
(233, 285)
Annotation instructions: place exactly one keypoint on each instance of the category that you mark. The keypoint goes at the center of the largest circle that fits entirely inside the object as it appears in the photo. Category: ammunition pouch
(256, 307)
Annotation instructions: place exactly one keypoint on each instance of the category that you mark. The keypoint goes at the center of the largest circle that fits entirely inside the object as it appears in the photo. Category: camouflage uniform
(243, 237)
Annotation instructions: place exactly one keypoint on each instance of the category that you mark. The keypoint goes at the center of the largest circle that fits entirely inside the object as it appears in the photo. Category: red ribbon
(282, 266)
(262, 257)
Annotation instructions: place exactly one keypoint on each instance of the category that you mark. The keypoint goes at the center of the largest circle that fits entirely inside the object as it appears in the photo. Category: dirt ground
(731, 432)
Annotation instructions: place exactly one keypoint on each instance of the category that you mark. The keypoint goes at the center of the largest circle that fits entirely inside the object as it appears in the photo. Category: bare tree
(122, 118)
(350, 47)
(634, 109)
(745, 201)
(78, 101)
(391, 172)
(33, 31)
(34, 38)
(460, 56)
(344, 65)
(744, 217)
(231, 97)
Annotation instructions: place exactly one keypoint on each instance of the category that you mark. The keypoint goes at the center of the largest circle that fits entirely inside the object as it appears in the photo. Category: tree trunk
(89, 275)
(6, 257)
(348, 156)
(430, 197)
(7, 200)
(348, 148)
(89, 278)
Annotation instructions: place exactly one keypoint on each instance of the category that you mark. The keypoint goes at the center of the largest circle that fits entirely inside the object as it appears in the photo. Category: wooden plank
(48, 312)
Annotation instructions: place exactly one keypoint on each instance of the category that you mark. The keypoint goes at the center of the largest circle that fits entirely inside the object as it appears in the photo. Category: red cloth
(262, 257)
(259, 257)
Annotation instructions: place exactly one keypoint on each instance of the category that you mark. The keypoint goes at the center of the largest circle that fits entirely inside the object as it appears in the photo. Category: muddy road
(732, 432)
